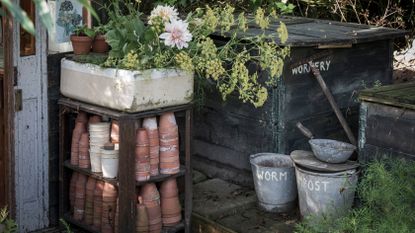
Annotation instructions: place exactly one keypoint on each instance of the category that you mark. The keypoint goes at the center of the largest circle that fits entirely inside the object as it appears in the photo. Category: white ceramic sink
(126, 90)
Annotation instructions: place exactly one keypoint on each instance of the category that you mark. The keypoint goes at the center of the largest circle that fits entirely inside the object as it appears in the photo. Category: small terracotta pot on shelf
(81, 44)
(100, 44)
(151, 199)
(89, 201)
(80, 192)
(142, 223)
(109, 204)
(99, 188)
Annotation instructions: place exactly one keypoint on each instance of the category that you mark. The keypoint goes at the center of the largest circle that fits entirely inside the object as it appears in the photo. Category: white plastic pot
(95, 157)
(109, 163)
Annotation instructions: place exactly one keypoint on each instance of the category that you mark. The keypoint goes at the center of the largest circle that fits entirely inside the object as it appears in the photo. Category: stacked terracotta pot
(150, 124)
(151, 199)
(115, 134)
(84, 160)
(169, 144)
(99, 134)
(76, 136)
(72, 190)
(80, 191)
(99, 188)
(170, 203)
(109, 204)
(117, 214)
(142, 156)
(142, 217)
(89, 201)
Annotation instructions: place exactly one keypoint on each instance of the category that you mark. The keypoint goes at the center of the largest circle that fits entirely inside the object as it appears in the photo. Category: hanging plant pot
(81, 44)
(100, 45)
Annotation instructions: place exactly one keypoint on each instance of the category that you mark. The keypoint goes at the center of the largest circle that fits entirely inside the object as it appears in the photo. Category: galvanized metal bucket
(323, 193)
(274, 178)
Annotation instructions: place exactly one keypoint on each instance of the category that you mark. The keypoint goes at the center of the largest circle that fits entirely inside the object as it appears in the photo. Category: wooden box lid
(398, 95)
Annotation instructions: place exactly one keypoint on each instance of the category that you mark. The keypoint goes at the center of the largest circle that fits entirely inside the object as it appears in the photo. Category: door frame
(9, 107)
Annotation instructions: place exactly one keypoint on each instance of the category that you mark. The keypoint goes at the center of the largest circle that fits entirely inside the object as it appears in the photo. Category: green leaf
(42, 8)
(19, 15)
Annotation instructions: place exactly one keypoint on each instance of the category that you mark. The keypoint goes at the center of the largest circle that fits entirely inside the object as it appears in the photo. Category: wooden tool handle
(333, 103)
(305, 131)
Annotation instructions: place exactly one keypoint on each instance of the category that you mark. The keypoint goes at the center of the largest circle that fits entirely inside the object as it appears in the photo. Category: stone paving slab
(253, 220)
(217, 198)
(198, 177)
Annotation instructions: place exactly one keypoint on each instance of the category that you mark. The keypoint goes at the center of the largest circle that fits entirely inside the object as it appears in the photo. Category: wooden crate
(350, 57)
(387, 122)
(125, 183)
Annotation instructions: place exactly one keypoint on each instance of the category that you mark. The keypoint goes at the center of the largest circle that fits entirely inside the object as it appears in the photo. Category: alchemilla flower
(165, 13)
(177, 34)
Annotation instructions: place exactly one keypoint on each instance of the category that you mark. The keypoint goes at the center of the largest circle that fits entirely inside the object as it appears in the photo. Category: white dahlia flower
(177, 34)
(166, 13)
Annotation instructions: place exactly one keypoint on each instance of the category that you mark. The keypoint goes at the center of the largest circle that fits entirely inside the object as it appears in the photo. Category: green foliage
(387, 193)
(83, 30)
(93, 58)
(66, 226)
(137, 46)
(43, 10)
(10, 225)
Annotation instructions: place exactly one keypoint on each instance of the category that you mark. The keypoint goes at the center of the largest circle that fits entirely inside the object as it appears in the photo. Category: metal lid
(308, 160)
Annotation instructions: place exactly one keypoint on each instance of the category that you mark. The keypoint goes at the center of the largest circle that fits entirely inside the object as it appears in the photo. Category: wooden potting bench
(126, 183)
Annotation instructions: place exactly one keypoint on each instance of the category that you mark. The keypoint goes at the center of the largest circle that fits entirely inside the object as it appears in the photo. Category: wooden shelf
(98, 176)
(159, 178)
(67, 217)
(88, 172)
(76, 105)
(125, 182)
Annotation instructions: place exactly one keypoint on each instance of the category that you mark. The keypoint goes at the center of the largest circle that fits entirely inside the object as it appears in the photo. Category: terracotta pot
(117, 214)
(81, 44)
(82, 117)
(72, 189)
(142, 137)
(115, 132)
(149, 192)
(99, 187)
(89, 201)
(80, 191)
(142, 217)
(172, 221)
(168, 188)
(95, 119)
(100, 45)
(109, 202)
(167, 120)
(170, 159)
(142, 151)
(170, 206)
(171, 130)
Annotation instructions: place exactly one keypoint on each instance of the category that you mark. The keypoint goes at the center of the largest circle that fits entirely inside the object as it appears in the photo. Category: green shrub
(387, 203)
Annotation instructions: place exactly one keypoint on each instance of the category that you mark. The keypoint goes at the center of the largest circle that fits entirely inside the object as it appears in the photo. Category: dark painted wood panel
(322, 125)
(391, 127)
(350, 71)
(370, 152)
(237, 126)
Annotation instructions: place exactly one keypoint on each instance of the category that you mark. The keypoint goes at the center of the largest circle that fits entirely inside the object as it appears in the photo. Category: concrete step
(222, 207)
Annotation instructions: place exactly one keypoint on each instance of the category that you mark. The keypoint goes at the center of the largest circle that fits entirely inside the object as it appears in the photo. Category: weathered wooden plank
(371, 152)
(127, 185)
(391, 127)
(401, 95)
(346, 72)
